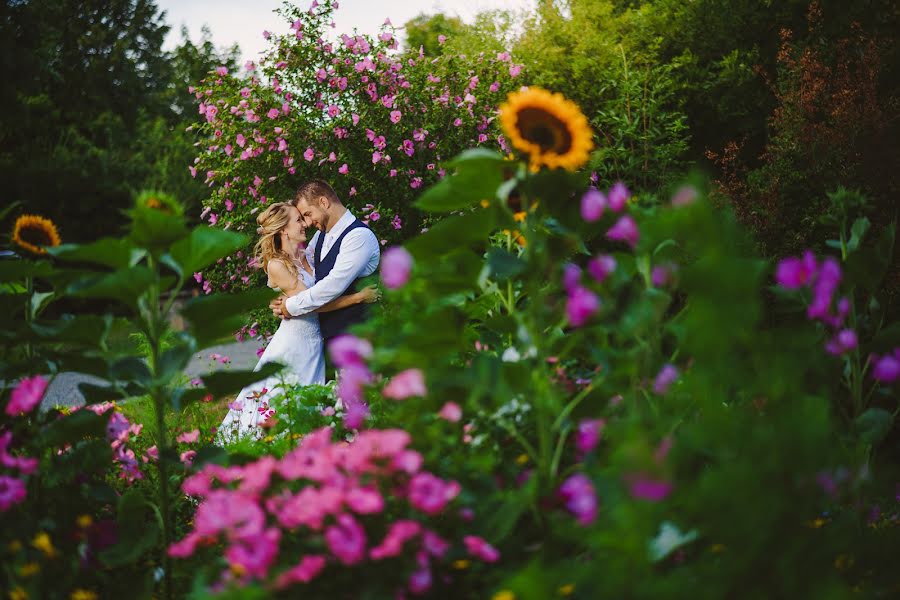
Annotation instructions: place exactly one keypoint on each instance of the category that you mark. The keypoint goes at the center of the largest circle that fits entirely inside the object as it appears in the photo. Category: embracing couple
(319, 297)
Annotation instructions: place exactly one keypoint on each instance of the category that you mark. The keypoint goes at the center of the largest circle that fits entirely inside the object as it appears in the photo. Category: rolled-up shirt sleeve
(354, 260)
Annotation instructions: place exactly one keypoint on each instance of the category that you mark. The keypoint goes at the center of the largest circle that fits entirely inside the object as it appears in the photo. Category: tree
(424, 31)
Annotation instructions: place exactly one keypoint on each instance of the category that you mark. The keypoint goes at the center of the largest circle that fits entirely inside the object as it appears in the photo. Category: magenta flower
(431, 494)
(624, 230)
(581, 305)
(376, 157)
(618, 196)
(399, 533)
(887, 368)
(479, 548)
(588, 435)
(406, 384)
(593, 203)
(255, 553)
(188, 437)
(823, 290)
(396, 267)
(643, 487)
(234, 513)
(571, 277)
(662, 275)
(665, 378)
(333, 110)
(600, 267)
(346, 540)
(343, 169)
(12, 492)
(844, 341)
(310, 566)
(451, 411)
(396, 115)
(309, 154)
(577, 492)
(273, 113)
(26, 395)
(420, 580)
(793, 273)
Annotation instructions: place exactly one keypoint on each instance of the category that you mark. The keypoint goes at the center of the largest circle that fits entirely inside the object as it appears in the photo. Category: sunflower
(550, 129)
(34, 233)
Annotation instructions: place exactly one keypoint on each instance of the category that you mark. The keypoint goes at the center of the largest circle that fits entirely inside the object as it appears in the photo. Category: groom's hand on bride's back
(278, 308)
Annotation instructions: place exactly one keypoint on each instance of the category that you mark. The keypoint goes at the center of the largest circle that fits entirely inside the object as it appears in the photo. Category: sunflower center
(544, 129)
(36, 236)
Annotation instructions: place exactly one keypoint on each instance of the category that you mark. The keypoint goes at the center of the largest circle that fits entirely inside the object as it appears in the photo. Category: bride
(298, 342)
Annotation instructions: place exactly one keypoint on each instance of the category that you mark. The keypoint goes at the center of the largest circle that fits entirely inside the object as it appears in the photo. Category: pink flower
(333, 110)
(600, 267)
(273, 113)
(625, 230)
(618, 196)
(431, 494)
(479, 548)
(12, 492)
(844, 341)
(643, 487)
(406, 384)
(376, 157)
(823, 290)
(514, 70)
(396, 115)
(451, 411)
(398, 533)
(588, 434)
(593, 203)
(355, 118)
(26, 395)
(887, 368)
(309, 154)
(578, 494)
(420, 580)
(441, 39)
(396, 267)
(343, 169)
(686, 194)
(666, 377)
(364, 500)
(240, 140)
(571, 277)
(346, 540)
(793, 273)
(189, 437)
(348, 350)
(221, 71)
(310, 566)
(234, 513)
(255, 553)
(187, 457)
(581, 305)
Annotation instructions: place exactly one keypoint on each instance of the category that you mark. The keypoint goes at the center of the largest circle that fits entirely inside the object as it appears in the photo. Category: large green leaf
(174, 359)
(217, 316)
(869, 264)
(118, 253)
(503, 265)
(155, 230)
(203, 246)
(478, 174)
(224, 383)
(85, 330)
(857, 232)
(18, 270)
(874, 425)
(453, 233)
(137, 531)
(72, 428)
(124, 285)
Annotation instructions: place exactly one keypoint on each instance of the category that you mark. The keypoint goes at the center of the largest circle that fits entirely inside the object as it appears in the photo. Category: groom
(342, 251)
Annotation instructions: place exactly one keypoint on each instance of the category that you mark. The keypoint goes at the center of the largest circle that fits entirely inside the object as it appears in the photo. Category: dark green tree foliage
(423, 31)
(92, 108)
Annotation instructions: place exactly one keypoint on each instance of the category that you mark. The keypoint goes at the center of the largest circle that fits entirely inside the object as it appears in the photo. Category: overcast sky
(243, 22)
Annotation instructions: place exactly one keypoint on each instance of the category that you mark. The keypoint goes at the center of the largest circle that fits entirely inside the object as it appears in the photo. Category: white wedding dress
(298, 345)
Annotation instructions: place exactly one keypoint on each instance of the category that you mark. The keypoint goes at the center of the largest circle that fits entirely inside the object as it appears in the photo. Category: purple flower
(662, 275)
(12, 491)
(582, 303)
(793, 273)
(618, 196)
(571, 277)
(844, 341)
(625, 230)
(588, 435)
(823, 290)
(396, 266)
(643, 487)
(887, 368)
(348, 350)
(601, 266)
(593, 203)
(666, 377)
(577, 492)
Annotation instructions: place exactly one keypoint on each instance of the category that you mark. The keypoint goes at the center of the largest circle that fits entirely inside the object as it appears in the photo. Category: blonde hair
(271, 222)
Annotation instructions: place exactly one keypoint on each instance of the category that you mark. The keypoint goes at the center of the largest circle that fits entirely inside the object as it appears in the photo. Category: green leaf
(478, 175)
(868, 265)
(204, 246)
(137, 531)
(502, 265)
(886, 339)
(224, 383)
(174, 359)
(118, 253)
(217, 316)
(18, 270)
(72, 428)
(155, 230)
(874, 425)
(83, 330)
(210, 455)
(38, 301)
(857, 231)
(453, 233)
(125, 285)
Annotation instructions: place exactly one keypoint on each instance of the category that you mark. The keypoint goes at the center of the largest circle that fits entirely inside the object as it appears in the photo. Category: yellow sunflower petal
(35, 234)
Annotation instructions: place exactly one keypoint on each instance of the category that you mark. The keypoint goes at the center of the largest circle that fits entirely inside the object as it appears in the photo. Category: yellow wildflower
(29, 569)
(461, 564)
(42, 542)
(567, 589)
(504, 595)
(82, 594)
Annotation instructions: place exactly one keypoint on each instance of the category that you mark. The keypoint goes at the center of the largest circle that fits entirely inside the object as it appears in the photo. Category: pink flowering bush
(377, 123)
(326, 510)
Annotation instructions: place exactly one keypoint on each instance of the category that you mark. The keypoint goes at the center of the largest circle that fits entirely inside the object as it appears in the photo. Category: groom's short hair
(313, 189)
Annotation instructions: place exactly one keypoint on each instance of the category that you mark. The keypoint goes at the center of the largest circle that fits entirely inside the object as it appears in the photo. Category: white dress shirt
(358, 257)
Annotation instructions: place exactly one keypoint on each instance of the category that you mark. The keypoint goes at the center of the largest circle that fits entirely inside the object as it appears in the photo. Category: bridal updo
(271, 222)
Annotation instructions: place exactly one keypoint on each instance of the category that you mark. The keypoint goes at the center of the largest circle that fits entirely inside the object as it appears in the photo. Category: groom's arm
(356, 254)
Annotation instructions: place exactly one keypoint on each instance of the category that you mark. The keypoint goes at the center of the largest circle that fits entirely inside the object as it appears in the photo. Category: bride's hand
(370, 294)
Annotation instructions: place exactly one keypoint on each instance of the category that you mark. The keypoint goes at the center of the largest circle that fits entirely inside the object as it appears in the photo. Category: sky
(243, 22)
